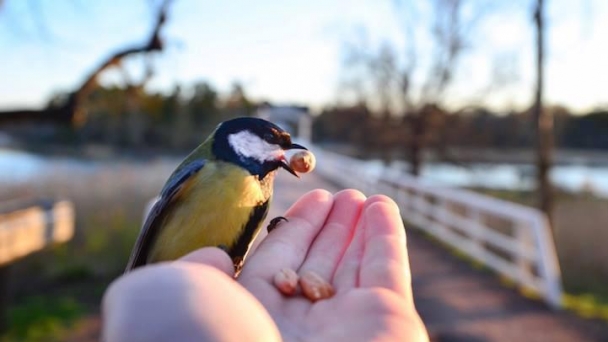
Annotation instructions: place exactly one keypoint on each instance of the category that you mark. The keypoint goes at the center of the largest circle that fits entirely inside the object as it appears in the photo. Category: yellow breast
(211, 210)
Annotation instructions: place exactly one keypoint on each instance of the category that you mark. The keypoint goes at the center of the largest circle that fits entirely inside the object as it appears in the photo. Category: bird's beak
(296, 146)
(285, 164)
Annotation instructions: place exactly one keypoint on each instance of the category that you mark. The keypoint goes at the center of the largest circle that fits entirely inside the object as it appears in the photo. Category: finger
(287, 246)
(347, 272)
(211, 256)
(385, 263)
(331, 243)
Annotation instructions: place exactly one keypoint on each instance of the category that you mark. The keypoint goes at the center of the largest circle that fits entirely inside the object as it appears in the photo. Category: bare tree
(396, 81)
(71, 112)
(543, 120)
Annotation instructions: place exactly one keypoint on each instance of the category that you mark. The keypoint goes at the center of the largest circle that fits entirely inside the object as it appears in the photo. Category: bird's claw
(275, 222)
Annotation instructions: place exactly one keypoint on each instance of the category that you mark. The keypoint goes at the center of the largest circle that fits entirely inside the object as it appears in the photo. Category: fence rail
(29, 227)
(512, 239)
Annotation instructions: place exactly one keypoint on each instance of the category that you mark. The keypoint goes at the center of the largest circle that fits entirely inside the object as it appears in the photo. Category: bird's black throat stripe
(239, 249)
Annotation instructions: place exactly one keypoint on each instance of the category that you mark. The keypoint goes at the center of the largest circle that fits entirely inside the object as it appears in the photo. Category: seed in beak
(303, 161)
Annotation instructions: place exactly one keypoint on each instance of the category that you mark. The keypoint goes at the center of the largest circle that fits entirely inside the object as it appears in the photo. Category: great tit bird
(218, 196)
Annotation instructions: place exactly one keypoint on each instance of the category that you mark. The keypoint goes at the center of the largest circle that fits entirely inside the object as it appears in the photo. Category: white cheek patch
(249, 145)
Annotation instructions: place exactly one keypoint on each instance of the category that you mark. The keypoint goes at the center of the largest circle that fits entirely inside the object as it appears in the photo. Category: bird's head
(254, 144)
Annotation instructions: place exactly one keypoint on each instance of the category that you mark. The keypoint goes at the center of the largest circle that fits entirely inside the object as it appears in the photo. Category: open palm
(355, 244)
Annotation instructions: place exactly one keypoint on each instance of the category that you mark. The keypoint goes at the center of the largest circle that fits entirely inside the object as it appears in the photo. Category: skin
(357, 244)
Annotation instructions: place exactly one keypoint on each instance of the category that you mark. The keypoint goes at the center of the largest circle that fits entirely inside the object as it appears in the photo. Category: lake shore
(481, 155)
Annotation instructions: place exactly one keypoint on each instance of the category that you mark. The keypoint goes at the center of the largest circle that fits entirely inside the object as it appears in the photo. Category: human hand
(357, 245)
(192, 299)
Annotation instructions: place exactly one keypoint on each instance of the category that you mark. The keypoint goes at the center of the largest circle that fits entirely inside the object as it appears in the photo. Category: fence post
(476, 233)
(524, 239)
(548, 266)
(420, 206)
(439, 208)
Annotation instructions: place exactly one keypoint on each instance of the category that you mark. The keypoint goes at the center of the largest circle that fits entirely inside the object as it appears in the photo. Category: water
(571, 177)
(22, 167)
(18, 167)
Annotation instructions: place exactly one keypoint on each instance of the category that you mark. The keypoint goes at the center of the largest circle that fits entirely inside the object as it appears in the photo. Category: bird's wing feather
(151, 227)
(250, 231)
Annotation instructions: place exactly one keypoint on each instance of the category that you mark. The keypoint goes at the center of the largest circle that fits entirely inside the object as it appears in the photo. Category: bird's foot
(275, 222)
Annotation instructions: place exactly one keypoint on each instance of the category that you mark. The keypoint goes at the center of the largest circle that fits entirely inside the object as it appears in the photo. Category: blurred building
(295, 119)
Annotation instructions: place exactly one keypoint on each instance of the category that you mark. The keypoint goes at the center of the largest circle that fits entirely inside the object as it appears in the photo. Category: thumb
(211, 256)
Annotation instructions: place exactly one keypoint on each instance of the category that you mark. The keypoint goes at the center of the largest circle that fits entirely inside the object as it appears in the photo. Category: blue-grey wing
(151, 227)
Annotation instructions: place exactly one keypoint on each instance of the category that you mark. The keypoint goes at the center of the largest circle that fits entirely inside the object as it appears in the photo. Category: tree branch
(71, 111)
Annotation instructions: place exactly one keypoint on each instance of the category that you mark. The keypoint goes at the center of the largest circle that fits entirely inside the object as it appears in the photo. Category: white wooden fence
(512, 239)
(29, 228)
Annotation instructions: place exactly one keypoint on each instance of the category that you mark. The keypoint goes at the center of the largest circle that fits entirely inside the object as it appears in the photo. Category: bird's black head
(254, 144)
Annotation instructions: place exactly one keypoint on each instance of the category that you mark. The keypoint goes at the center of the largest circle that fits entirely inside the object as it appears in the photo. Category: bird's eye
(271, 138)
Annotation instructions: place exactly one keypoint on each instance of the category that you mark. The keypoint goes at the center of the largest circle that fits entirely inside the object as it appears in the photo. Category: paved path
(458, 303)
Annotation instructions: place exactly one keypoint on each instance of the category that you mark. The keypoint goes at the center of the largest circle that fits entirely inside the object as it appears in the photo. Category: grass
(42, 318)
(51, 291)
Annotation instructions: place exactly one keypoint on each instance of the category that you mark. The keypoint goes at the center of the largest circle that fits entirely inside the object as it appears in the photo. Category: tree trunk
(543, 122)
(135, 121)
(4, 297)
(416, 143)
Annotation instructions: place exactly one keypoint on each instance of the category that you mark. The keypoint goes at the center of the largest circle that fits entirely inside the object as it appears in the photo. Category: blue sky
(291, 51)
